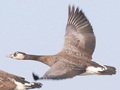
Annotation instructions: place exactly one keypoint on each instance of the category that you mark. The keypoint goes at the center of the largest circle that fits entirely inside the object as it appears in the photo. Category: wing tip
(74, 14)
(77, 17)
(71, 8)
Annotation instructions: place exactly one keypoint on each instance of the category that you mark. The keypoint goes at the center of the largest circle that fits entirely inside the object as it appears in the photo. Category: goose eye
(15, 54)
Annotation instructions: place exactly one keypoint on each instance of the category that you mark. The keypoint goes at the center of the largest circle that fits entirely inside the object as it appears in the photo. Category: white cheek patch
(19, 56)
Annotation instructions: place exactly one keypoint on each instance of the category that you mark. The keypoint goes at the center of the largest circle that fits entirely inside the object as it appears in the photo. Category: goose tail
(109, 71)
(31, 85)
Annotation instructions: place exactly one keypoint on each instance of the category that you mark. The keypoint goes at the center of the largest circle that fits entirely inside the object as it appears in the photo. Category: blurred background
(38, 27)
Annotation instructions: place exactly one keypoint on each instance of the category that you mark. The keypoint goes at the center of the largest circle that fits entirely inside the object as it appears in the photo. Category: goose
(12, 82)
(75, 57)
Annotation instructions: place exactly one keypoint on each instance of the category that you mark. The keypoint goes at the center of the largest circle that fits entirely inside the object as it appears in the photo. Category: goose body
(76, 54)
(12, 82)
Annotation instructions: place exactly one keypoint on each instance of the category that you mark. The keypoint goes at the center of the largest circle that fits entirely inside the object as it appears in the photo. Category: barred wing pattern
(79, 40)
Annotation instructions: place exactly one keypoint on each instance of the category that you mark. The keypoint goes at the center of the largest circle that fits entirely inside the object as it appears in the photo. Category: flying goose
(12, 82)
(76, 54)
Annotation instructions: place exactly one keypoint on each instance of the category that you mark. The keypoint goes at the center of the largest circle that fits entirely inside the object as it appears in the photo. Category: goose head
(17, 55)
(47, 59)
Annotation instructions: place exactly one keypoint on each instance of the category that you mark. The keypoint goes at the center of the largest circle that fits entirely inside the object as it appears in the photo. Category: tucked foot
(36, 77)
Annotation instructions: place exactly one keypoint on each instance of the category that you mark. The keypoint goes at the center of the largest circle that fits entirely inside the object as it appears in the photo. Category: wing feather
(63, 70)
(79, 37)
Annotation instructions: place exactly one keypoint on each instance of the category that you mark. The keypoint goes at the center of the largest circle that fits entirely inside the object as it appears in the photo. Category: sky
(38, 27)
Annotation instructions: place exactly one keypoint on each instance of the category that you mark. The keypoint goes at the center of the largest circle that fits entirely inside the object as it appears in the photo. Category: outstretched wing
(79, 40)
(63, 70)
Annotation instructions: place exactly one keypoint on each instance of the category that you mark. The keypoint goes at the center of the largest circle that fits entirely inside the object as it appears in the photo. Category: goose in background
(76, 54)
(12, 82)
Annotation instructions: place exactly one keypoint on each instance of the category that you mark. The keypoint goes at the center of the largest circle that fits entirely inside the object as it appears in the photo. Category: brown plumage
(12, 82)
(76, 54)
